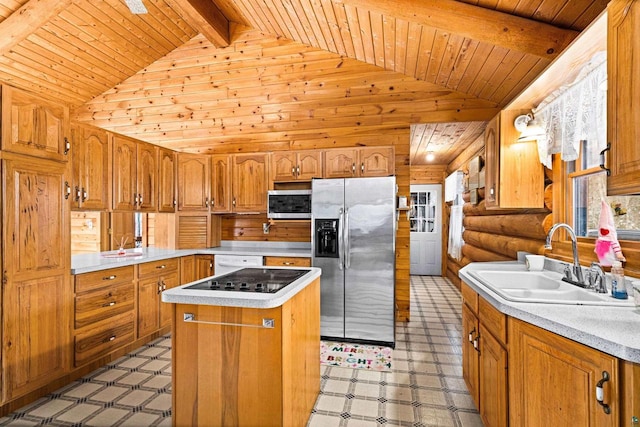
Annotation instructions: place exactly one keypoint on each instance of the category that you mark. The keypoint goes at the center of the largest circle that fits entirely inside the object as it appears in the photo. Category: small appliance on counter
(353, 242)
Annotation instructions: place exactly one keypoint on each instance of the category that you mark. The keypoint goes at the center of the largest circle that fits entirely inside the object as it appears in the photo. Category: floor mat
(357, 356)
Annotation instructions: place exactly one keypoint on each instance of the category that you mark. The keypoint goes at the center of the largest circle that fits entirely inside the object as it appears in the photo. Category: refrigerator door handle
(347, 241)
(341, 240)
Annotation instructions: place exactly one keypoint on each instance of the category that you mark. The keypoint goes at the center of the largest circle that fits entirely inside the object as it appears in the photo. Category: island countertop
(181, 295)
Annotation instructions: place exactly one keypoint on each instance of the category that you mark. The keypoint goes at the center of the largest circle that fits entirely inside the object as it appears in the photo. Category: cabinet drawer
(287, 261)
(103, 339)
(158, 267)
(470, 297)
(97, 279)
(104, 303)
(493, 320)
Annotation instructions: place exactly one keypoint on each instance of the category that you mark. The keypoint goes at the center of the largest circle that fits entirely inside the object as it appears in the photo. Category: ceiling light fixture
(529, 127)
(136, 7)
(430, 156)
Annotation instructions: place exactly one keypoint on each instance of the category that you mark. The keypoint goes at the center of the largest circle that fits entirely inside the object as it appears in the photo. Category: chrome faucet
(597, 279)
(577, 270)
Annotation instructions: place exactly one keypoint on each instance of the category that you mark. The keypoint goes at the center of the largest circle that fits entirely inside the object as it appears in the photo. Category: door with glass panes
(426, 230)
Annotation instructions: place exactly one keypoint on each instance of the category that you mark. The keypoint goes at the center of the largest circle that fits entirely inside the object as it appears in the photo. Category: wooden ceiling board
(445, 140)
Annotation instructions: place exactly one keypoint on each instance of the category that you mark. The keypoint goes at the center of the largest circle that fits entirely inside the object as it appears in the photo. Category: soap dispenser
(618, 289)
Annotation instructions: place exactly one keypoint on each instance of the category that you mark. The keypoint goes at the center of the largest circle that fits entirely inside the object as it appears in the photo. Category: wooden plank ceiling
(244, 75)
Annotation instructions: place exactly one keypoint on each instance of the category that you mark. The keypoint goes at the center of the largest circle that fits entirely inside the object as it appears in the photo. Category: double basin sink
(542, 287)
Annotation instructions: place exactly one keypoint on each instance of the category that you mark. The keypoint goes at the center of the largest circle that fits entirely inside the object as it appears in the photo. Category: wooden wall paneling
(86, 232)
(428, 174)
(249, 227)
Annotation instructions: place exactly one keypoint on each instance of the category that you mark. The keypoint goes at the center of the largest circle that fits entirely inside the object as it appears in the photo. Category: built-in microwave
(289, 204)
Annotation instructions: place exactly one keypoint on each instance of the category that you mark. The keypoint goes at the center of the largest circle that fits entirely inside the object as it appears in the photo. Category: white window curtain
(575, 112)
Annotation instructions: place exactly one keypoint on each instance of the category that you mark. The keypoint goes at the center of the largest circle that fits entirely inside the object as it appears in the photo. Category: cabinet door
(166, 181)
(493, 380)
(204, 266)
(376, 161)
(37, 298)
(470, 355)
(492, 162)
(552, 380)
(250, 182)
(193, 182)
(91, 155)
(167, 281)
(34, 126)
(309, 165)
(146, 177)
(221, 184)
(148, 305)
(283, 166)
(187, 269)
(124, 173)
(623, 67)
(340, 163)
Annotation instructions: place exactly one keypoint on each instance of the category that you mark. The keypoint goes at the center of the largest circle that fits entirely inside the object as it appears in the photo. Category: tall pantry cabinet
(37, 295)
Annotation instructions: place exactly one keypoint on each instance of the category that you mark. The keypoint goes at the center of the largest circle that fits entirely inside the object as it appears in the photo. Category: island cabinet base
(229, 370)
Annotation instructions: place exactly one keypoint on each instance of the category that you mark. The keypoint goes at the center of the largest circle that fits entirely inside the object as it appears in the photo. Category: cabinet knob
(293, 171)
(160, 267)
(353, 168)
(109, 304)
(233, 202)
(298, 170)
(78, 194)
(206, 202)
(85, 195)
(140, 199)
(67, 190)
(362, 167)
(112, 277)
(111, 338)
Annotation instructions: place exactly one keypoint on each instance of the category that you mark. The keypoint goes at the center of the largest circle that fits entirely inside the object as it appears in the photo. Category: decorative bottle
(618, 289)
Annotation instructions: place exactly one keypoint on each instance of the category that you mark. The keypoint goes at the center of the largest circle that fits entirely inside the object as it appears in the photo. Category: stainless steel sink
(542, 287)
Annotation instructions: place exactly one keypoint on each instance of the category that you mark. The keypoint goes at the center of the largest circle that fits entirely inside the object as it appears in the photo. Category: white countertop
(612, 330)
(181, 295)
(86, 263)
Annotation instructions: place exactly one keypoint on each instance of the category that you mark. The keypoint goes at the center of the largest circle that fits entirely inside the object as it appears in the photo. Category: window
(589, 186)
(423, 212)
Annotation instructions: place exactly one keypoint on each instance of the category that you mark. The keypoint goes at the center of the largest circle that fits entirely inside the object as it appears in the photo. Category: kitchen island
(246, 357)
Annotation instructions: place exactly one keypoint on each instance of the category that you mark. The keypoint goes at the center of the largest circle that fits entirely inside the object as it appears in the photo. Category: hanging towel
(455, 232)
(607, 246)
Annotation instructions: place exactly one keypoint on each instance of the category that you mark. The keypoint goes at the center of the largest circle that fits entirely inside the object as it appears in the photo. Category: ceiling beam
(204, 16)
(477, 23)
(24, 21)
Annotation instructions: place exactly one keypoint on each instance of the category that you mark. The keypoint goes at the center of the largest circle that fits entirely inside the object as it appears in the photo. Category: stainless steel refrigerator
(353, 242)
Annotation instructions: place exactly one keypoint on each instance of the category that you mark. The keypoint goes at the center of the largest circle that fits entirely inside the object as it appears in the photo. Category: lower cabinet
(104, 317)
(280, 261)
(153, 278)
(533, 377)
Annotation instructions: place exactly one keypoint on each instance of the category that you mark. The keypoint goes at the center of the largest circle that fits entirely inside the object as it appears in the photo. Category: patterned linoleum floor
(424, 389)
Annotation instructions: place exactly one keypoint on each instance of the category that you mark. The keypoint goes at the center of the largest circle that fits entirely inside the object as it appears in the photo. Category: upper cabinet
(34, 126)
(359, 162)
(221, 183)
(514, 177)
(193, 182)
(91, 153)
(250, 181)
(623, 96)
(134, 175)
(296, 166)
(166, 180)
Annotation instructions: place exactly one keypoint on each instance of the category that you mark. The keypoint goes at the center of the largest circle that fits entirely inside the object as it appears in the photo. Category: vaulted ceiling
(232, 75)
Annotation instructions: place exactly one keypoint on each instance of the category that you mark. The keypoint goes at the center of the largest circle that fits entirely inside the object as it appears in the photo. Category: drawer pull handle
(476, 343)
(287, 263)
(600, 392)
(111, 338)
(109, 304)
(267, 323)
(112, 277)
(473, 331)
(160, 267)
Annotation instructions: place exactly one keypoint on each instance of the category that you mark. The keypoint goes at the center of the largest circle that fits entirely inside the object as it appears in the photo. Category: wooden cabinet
(250, 182)
(484, 357)
(37, 300)
(193, 182)
(153, 278)
(104, 317)
(218, 367)
(359, 162)
(221, 183)
(166, 180)
(553, 380)
(281, 261)
(195, 267)
(135, 173)
(34, 126)
(514, 176)
(296, 166)
(623, 109)
(204, 266)
(91, 154)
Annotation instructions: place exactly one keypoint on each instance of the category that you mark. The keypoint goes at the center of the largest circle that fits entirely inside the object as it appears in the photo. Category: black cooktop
(263, 280)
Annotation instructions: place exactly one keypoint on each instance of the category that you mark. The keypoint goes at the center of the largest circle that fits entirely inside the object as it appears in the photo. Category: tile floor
(425, 387)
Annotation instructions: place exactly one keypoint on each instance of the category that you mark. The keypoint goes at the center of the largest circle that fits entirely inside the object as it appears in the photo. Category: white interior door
(426, 230)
